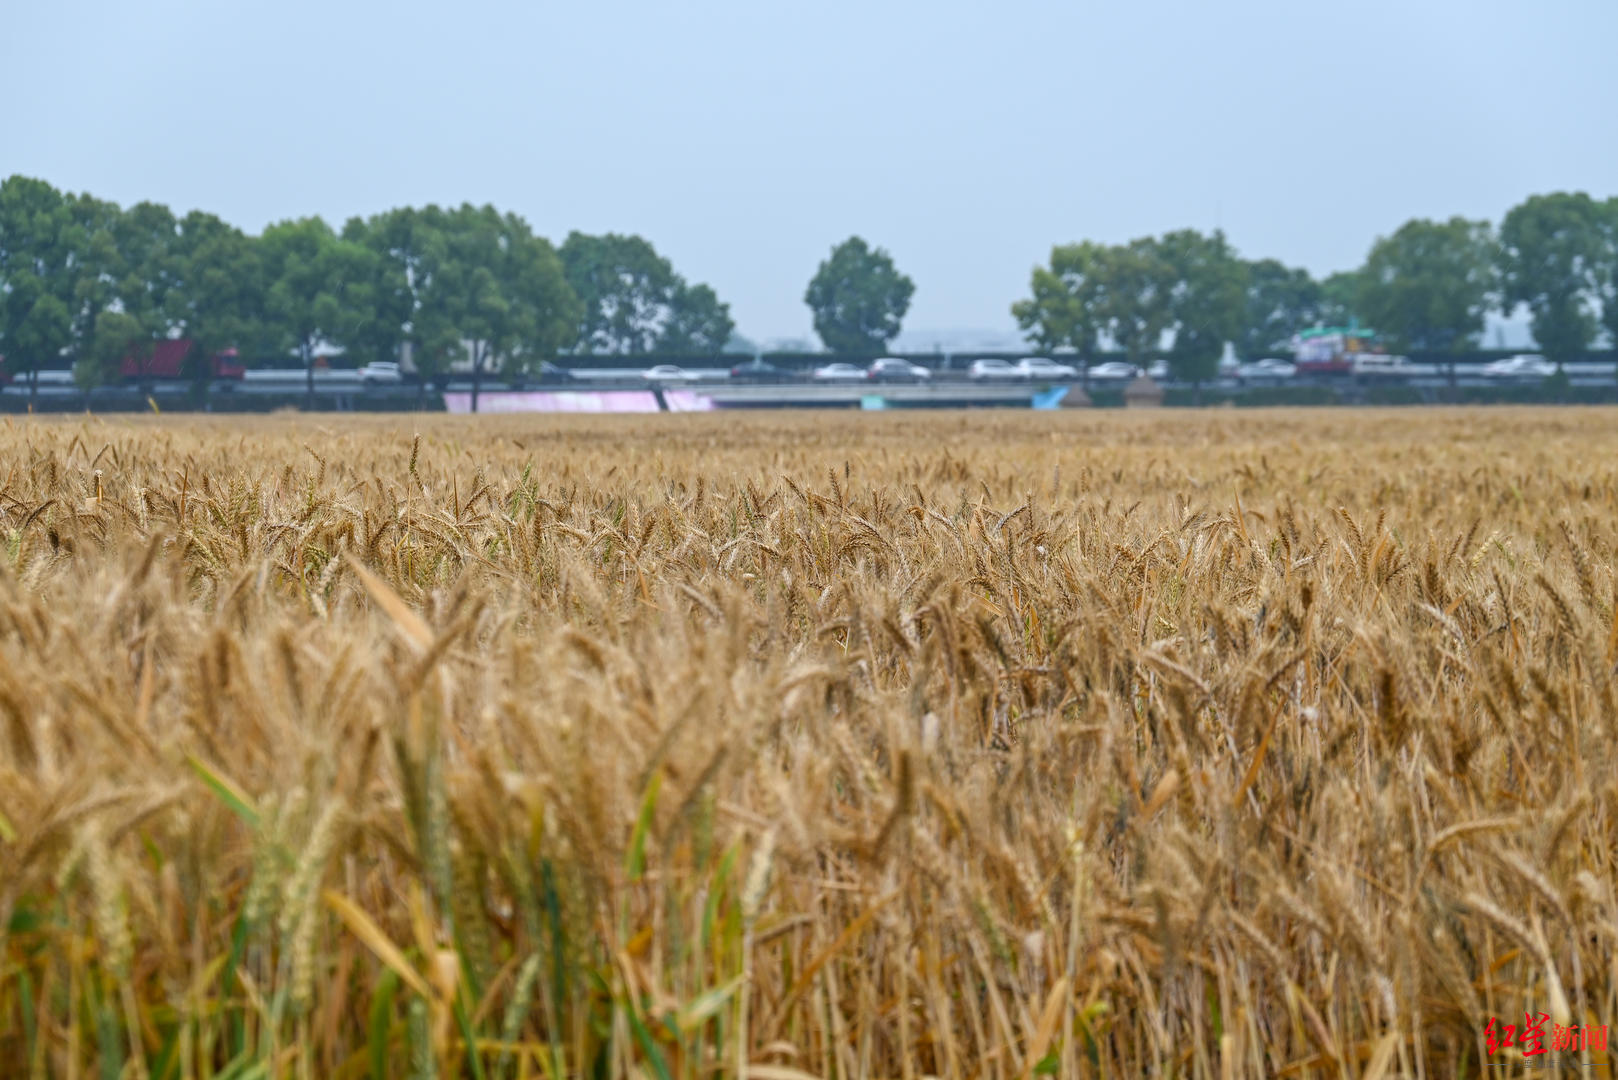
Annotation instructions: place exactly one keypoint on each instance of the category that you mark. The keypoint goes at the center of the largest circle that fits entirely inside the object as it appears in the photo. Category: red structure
(167, 361)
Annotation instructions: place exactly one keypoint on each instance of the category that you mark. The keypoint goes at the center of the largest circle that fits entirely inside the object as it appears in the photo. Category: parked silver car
(1266, 370)
(1521, 366)
(1038, 367)
(668, 373)
(990, 370)
(838, 372)
(1114, 369)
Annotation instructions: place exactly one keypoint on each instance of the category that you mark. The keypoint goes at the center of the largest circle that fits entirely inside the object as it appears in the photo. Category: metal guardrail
(348, 389)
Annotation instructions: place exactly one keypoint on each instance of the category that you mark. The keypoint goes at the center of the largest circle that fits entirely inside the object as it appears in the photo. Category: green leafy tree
(698, 322)
(1607, 271)
(39, 326)
(1065, 308)
(147, 236)
(1428, 286)
(497, 295)
(214, 290)
(1339, 299)
(40, 264)
(319, 288)
(1137, 285)
(131, 270)
(1281, 301)
(625, 287)
(377, 286)
(379, 303)
(859, 299)
(411, 243)
(116, 335)
(99, 270)
(1550, 248)
(1207, 301)
(635, 303)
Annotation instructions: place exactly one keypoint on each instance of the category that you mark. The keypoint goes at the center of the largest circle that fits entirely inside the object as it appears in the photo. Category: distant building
(1333, 348)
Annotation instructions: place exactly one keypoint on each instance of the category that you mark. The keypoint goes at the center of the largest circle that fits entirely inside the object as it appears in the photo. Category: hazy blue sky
(746, 138)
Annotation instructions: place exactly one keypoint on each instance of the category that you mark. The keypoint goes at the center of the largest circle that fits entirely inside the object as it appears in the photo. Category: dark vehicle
(549, 374)
(893, 369)
(757, 370)
(168, 360)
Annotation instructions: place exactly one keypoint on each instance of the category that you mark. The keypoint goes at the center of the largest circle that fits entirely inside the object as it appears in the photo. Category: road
(946, 387)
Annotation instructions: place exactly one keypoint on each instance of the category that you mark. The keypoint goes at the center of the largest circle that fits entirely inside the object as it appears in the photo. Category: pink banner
(572, 401)
(687, 401)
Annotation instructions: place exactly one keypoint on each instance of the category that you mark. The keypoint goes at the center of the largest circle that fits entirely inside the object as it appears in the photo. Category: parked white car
(1521, 366)
(668, 373)
(1266, 370)
(380, 371)
(839, 372)
(1114, 369)
(893, 369)
(987, 370)
(1038, 367)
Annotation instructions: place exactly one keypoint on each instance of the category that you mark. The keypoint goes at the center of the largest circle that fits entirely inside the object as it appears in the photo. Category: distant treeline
(1425, 289)
(86, 282)
(89, 282)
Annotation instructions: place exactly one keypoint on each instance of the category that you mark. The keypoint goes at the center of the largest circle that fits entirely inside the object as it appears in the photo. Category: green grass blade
(654, 1055)
(381, 1022)
(635, 858)
(25, 992)
(464, 1022)
(707, 1005)
(231, 795)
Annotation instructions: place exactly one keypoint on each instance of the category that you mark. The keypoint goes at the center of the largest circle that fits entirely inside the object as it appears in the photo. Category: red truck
(167, 361)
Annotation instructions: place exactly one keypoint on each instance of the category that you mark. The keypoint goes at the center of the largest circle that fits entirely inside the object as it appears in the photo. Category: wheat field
(898, 745)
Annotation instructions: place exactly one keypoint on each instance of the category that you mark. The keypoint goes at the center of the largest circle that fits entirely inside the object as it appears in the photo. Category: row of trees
(1427, 288)
(87, 280)
(1184, 283)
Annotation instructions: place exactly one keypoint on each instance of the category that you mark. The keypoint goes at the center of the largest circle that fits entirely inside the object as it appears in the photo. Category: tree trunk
(477, 373)
(33, 386)
(308, 376)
